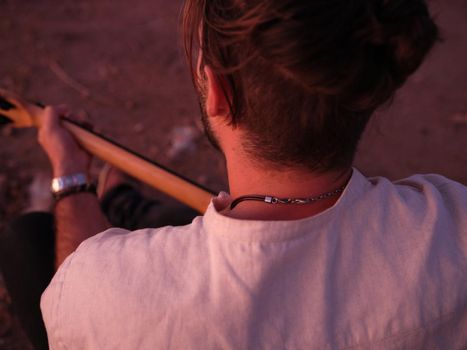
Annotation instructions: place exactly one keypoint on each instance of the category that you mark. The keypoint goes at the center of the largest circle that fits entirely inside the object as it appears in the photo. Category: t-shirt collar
(269, 231)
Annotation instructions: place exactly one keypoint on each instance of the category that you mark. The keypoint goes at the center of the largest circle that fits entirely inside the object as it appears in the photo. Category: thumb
(51, 117)
(51, 123)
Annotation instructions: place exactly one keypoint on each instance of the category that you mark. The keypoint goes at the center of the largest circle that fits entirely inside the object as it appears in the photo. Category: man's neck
(247, 178)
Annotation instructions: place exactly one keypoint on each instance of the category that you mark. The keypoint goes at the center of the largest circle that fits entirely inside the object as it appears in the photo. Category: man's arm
(77, 216)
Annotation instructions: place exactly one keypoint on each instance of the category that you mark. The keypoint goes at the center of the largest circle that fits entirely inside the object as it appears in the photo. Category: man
(305, 252)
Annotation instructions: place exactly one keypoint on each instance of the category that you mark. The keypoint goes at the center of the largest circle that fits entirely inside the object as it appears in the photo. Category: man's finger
(50, 118)
(51, 122)
(82, 118)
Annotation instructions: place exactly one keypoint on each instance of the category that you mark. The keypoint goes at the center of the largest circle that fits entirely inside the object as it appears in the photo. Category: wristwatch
(69, 184)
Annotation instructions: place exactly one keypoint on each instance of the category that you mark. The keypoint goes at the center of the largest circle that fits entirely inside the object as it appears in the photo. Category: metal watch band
(86, 188)
(62, 183)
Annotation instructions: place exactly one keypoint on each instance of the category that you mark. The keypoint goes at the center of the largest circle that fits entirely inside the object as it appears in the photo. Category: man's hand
(65, 154)
(77, 216)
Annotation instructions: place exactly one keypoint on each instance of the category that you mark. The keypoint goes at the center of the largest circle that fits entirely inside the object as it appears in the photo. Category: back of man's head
(304, 76)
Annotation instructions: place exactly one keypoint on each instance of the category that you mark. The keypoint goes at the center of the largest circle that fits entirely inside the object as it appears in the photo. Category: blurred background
(122, 63)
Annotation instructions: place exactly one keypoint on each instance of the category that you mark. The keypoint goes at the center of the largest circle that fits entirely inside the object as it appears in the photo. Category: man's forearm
(78, 217)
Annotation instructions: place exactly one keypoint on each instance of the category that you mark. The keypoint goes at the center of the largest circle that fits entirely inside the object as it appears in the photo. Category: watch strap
(86, 188)
(66, 185)
(62, 183)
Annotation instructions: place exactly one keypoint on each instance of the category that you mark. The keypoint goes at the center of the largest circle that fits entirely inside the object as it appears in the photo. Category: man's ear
(217, 104)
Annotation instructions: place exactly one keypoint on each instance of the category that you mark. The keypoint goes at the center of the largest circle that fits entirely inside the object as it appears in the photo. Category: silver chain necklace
(276, 200)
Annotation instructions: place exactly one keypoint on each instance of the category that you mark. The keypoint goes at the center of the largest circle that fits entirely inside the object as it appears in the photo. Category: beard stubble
(202, 98)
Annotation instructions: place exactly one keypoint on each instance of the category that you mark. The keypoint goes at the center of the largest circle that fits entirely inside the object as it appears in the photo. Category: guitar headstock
(16, 110)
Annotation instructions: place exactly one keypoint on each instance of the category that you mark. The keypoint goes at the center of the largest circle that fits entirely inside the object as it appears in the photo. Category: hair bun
(392, 38)
(406, 29)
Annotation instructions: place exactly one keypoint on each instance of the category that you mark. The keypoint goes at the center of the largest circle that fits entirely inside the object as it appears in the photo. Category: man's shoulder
(111, 273)
(115, 255)
(117, 244)
(439, 182)
(442, 198)
(418, 193)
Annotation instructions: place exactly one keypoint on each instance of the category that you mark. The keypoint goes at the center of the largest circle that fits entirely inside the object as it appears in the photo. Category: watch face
(64, 182)
(56, 185)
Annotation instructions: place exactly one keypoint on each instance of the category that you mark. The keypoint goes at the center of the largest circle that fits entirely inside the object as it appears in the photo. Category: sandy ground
(121, 62)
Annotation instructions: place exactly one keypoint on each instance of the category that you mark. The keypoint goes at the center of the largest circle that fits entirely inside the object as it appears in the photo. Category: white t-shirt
(384, 268)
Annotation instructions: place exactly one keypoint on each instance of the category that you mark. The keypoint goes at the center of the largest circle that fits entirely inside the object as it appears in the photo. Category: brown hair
(305, 76)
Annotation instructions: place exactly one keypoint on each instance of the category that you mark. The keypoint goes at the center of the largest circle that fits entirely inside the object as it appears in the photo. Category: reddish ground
(134, 83)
